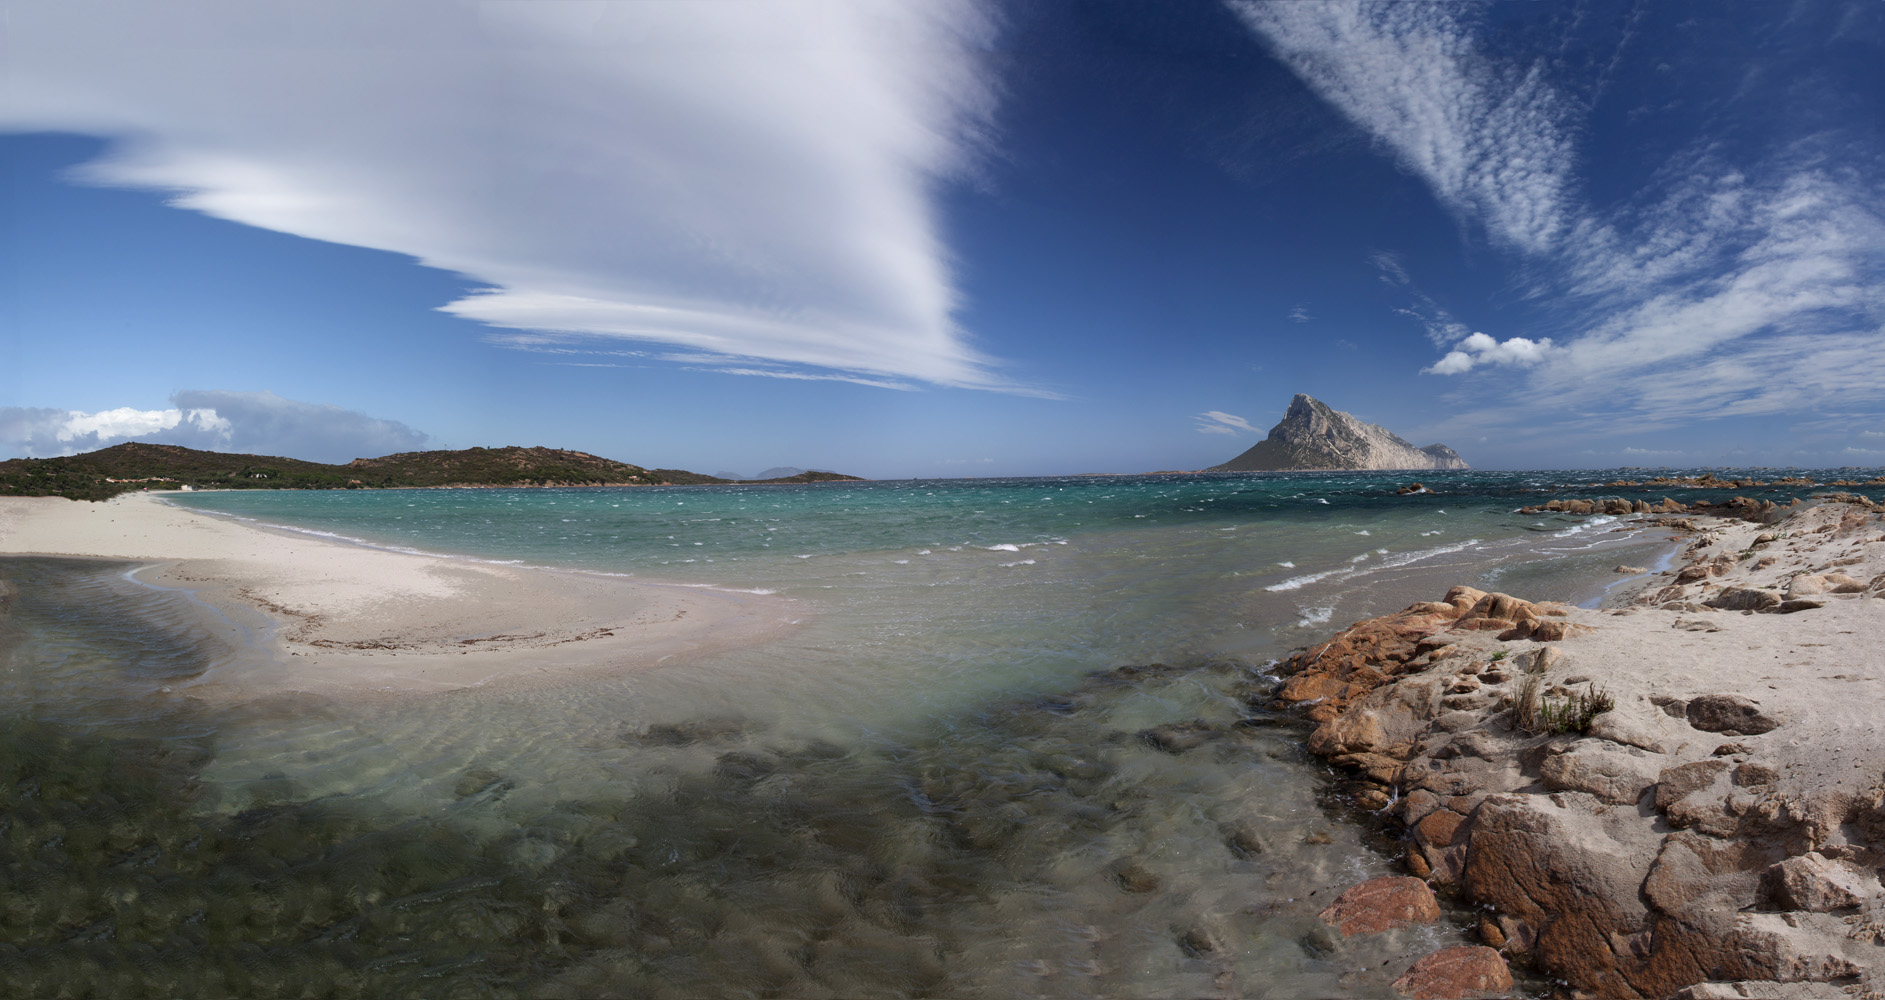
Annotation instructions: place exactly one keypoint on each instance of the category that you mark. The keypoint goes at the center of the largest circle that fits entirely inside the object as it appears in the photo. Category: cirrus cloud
(1219, 422)
(1723, 286)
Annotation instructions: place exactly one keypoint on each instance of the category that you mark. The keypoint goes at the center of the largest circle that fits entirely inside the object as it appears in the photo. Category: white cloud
(1480, 349)
(1389, 264)
(1484, 136)
(1300, 314)
(253, 423)
(748, 178)
(1219, 422)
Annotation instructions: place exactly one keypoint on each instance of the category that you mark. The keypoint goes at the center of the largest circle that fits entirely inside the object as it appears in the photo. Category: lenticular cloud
(751, 179)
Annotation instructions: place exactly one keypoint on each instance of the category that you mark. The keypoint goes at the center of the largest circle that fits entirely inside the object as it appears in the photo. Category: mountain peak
(1313, 435)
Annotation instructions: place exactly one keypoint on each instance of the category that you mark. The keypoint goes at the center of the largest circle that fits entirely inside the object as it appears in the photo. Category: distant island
(1312, 436)
(102, 474)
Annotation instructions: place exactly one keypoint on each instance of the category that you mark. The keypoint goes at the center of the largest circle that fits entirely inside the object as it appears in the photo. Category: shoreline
(1709, 816)
(350, 620)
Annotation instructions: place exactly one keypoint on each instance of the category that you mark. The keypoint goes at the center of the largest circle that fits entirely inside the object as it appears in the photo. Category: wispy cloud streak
(1485, 137)
(752, 179)
(1219, 422)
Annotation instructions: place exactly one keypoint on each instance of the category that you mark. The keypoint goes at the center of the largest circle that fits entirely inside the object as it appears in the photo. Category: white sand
(343, 619)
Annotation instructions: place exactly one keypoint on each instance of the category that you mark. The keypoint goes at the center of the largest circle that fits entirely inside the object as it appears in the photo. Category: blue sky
(950, 238)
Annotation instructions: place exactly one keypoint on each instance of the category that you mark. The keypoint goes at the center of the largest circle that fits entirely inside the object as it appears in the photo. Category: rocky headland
(1312, 436)
(1680, 795)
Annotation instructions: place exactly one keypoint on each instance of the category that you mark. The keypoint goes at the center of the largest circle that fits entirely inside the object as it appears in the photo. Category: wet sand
(347, 620)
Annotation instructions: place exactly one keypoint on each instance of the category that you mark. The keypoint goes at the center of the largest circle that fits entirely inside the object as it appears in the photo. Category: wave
(1387, 562)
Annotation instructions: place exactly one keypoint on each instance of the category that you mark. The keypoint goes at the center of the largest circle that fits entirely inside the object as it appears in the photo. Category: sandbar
(340, 619)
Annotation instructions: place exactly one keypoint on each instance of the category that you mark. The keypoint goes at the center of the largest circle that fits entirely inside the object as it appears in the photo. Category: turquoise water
(939, 785)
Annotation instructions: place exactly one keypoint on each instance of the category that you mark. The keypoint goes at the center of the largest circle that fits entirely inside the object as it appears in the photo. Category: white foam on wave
(1024, 562)
(1320, 500)
(1313, 616)
(1287, 565)
(901, 562)
(1002, 547)
(922, 552)
(1578, 529)
(1364, 531)
(1306, 579)
(1388, 562)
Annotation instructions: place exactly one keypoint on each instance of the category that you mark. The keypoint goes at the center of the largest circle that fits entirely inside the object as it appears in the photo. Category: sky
(951, 238)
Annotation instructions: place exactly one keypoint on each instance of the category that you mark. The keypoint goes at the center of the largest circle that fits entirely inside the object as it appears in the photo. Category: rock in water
(1313, 436)
(1379, 904)
(1466, 971)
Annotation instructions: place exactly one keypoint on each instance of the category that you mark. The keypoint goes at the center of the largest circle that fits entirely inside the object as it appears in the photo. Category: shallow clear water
(942, 784)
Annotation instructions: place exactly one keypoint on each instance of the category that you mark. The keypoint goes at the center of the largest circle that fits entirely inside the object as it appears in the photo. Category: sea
(1018, 744)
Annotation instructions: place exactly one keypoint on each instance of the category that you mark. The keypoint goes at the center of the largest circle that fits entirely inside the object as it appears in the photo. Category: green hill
(102, 474)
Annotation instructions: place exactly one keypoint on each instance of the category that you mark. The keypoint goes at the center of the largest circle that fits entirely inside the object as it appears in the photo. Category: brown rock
(1373, 766)
(1313, 687)
(1720, 713)
(1840, 583)
(1572, 891)
(1354, 732)
(1814, 883)
(1453, 973)
(1379, 904)
(1554, 631)
(1504, 606)
(1612, 772)
(1463, 597)
(1744, 599)
(1699, 878)
(1676, 783)
(1523, 630)
(1806, 584)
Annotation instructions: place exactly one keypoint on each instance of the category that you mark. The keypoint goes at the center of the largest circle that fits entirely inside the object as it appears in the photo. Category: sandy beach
(347, 620)
(1716, 832)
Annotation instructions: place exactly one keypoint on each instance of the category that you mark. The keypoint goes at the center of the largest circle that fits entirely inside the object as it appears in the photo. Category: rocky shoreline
(1682, 795)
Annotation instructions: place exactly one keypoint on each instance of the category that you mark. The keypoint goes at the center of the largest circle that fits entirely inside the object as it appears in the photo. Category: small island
(1314, 437)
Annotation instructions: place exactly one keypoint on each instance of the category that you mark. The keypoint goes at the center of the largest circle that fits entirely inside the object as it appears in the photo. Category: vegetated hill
(105, 473)
(511, 466)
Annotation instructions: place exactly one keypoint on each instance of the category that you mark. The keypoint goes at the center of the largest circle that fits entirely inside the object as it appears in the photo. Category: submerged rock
(1379, 904)
(1178, 737)
(1457, 974)
(685, 734)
